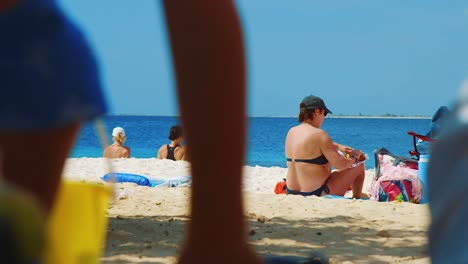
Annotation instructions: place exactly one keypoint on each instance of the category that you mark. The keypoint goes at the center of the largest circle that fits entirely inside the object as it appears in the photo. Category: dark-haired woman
(174, 150)
(311, 154)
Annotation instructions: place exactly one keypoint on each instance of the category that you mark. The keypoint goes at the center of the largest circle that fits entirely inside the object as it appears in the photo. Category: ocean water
(266, 135)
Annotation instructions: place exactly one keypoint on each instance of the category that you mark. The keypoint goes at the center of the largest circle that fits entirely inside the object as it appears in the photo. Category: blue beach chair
(421, 143)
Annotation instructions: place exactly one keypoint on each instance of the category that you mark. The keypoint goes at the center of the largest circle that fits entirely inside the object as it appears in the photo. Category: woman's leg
(340, 181)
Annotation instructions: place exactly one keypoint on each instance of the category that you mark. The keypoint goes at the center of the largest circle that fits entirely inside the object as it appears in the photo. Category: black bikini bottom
(318, 192)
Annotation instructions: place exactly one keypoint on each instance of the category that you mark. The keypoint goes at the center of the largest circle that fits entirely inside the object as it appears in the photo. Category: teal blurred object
(422, 174)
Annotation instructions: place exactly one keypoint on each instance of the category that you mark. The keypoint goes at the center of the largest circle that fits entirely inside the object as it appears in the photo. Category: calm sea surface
(266, 135)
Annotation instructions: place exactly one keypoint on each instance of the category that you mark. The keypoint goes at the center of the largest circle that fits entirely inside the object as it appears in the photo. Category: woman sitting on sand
(117, 150)
(311, 154)
(174, 150)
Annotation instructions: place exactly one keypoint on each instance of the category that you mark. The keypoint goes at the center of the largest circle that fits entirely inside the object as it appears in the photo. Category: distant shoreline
(357, 116)
(331, 116)
(387, 117)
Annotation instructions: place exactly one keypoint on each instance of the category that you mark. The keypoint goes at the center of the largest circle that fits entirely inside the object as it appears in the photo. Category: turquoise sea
(265, 146)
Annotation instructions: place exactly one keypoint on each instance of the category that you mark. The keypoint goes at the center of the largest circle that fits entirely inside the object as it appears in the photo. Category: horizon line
(389, 116)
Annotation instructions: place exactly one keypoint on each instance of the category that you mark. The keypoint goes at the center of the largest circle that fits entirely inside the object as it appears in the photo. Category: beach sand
(146, 225)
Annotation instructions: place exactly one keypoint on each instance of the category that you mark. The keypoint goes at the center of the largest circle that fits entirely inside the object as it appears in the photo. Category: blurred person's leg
(209, 60)
(34, 160)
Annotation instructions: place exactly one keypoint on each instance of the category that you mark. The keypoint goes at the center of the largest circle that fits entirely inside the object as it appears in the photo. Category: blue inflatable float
(127, 177)
(144, 181)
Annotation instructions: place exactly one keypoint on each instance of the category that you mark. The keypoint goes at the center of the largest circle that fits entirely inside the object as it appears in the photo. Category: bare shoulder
(294, 132)
(121, 152)
(126, 151)
(180, 149)
(294, 129)
(323, 135)
(326, 143)
(180, 153)
(162, 148)
(106, 152)
(162, 152)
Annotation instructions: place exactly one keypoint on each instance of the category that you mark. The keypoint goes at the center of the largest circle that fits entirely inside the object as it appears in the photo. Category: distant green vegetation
(381, 115)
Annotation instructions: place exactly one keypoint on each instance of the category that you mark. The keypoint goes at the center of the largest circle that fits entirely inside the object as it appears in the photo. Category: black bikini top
(319, 160)
(170, 152)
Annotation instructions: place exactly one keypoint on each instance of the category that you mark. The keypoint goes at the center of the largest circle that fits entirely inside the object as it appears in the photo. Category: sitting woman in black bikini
(311, 154)
(174, 150)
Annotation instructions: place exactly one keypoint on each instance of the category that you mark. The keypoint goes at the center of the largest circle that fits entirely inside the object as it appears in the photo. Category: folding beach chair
(418, 140)
(421, 143)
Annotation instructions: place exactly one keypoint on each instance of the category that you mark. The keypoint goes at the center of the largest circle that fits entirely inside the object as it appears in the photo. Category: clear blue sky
(368, 56)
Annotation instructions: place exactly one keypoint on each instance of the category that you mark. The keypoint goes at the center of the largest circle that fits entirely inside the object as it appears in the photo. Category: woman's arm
(349, 151)
(343, 148)
(330, 150)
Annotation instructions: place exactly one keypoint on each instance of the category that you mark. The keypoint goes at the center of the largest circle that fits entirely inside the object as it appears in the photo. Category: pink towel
(389, 172)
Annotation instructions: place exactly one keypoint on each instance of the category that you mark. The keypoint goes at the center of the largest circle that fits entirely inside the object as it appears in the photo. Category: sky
(368, 57)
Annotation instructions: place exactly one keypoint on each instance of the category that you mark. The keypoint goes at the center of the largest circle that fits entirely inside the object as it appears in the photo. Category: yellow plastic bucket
(78, 224)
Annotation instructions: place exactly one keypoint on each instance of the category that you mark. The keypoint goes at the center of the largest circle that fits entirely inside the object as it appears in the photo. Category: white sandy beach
(146, 225)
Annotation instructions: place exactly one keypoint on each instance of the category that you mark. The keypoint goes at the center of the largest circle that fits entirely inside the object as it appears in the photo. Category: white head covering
(117, 131)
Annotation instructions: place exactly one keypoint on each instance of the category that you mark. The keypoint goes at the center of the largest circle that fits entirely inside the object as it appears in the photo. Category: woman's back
(172, 152)
(116, 151)
(175, 150)
(307, 167)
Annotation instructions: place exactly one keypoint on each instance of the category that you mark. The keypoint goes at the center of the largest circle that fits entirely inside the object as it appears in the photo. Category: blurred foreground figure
(50, 86)
(209, 59)
(448, 188)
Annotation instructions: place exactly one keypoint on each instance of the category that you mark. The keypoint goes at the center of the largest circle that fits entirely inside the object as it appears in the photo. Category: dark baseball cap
(314, 102)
